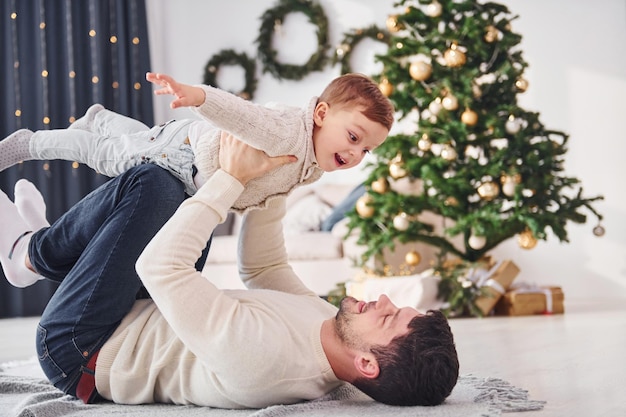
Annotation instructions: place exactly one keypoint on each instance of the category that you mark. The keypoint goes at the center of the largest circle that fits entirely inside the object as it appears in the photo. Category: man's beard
(344, 329)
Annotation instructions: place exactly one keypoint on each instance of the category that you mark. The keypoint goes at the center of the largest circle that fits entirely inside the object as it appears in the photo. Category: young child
(334, 131)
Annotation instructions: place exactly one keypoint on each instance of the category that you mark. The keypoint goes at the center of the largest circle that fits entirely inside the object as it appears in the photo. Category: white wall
(577, 79)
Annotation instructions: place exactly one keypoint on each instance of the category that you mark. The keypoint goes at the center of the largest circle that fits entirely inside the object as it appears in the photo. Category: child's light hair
(359, 90)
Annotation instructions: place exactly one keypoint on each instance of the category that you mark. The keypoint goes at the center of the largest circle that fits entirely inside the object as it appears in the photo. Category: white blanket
(25, 393)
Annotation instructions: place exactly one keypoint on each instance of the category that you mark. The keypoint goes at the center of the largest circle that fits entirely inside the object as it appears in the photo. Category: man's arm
(262, 257)
(167, 264)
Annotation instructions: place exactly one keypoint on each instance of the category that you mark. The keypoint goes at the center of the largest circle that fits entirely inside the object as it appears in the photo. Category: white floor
(575, 361)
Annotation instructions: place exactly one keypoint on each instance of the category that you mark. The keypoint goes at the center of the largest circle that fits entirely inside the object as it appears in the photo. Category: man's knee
(158, 180)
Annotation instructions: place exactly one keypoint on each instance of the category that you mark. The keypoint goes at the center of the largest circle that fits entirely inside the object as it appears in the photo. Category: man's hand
(245, 162)
(186, 95)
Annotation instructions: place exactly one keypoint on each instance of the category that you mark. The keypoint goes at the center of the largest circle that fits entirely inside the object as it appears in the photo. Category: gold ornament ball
(380, 185)
(512, 125)
(392, 23)
(526, 240)
(448, 152)
(599, 230)
(454, 57)
(363, 207)
(401, 222)
(477, 242)
(396, 170)
(385, 87)
(469, 117)
(424, 143)
(521, 84)
(412, 258)
(508, 188)
(488, 190)
(491, 34)
(434, 9)
(342, 50)
(420, 70)
(509, 183)
(435, 106)
(450, 102)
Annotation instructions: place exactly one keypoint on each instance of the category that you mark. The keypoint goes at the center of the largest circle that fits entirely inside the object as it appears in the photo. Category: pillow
(305, 215)
(333, 194)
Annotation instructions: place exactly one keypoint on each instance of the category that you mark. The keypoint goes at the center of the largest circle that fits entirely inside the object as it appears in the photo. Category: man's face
(343, 136)
(361, 325)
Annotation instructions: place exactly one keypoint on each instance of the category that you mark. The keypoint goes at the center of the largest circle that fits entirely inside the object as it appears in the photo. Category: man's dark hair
(418, 368)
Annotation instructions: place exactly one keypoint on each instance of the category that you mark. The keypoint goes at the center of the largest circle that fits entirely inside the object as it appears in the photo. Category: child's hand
(186, 95)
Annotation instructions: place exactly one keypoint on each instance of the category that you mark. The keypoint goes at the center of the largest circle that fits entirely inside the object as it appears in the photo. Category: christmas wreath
(230, 57)
(352, 39)
(272, 19)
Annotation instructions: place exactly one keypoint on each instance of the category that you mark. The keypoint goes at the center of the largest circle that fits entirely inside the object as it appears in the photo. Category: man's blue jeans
(91, 251)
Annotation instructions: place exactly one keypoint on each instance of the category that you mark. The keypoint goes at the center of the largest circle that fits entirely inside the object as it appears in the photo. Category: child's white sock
(85, 122)
(30, 205)
(15, 148)
(14, 241)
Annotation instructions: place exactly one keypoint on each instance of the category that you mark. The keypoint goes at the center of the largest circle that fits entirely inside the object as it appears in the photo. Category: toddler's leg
(77, 145)
(15, 148)
(106, 122)
(85, 122)
(30, 205)
(14, 241)
(110, 123)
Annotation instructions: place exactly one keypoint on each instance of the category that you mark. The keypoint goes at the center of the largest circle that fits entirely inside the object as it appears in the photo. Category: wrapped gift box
(494, 283)
(531, 300)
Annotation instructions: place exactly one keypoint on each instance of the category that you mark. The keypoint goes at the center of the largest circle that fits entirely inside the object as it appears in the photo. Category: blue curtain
(58, 57)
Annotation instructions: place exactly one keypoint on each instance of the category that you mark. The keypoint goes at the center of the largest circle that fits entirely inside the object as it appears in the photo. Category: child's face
(342, 136)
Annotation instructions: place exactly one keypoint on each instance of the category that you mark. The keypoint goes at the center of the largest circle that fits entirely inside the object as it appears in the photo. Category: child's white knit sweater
(275, 130)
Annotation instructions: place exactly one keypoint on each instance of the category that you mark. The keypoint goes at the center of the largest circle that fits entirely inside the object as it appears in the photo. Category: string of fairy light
(93, 35)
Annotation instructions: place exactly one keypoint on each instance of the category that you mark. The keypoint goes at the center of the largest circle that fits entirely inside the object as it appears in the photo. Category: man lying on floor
(190, 342)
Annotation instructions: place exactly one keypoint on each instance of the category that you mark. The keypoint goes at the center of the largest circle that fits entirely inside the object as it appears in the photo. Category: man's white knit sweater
(196, 344)
(277, 130)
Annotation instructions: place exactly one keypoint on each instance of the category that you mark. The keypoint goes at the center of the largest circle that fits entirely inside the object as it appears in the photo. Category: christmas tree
(488, 169)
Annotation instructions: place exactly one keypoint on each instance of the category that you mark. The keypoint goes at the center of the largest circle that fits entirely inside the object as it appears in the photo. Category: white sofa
(317, 257)
(321, 259)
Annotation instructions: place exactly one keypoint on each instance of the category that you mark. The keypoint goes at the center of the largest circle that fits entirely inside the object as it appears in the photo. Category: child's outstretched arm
(186, 95)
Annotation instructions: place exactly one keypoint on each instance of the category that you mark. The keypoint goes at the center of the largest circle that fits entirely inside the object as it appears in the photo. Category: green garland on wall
(230, 57)
(274, 17)
(352, 39)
